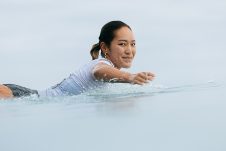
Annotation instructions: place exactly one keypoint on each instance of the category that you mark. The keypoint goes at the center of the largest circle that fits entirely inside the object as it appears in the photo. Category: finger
(147, 76)
(150, 74)
(150, 78)
(143, 75)
(138, 82)
(141, 79)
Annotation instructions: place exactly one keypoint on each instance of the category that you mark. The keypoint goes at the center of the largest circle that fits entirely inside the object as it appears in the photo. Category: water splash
(118, 91)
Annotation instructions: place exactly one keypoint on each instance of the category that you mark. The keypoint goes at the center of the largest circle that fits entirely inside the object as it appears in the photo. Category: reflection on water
(127, 116)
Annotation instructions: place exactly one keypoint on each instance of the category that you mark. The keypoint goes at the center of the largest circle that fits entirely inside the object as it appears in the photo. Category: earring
(105, 55)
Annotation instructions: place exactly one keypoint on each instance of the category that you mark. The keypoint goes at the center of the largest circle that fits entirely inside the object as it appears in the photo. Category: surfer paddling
(115, 50)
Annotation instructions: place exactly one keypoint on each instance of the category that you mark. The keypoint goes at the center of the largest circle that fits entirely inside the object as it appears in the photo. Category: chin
(127, 65)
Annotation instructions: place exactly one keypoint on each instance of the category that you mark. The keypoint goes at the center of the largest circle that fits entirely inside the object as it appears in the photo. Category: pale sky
(42, 42)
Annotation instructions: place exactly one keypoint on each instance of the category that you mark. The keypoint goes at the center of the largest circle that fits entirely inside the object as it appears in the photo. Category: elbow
(98, 75)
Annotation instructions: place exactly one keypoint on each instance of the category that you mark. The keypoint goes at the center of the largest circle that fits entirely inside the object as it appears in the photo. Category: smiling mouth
(127, 59)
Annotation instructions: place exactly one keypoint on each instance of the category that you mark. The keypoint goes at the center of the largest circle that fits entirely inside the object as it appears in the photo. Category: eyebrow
(126, 40)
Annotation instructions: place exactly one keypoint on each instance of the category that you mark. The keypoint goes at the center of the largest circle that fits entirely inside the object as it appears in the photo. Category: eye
(133, 44)
(122, 44)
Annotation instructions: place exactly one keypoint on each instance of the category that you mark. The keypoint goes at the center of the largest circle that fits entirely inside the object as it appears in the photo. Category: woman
(117, 47)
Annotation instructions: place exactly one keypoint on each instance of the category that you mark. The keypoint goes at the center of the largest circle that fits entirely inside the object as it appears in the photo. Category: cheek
(134, 52)
(117, 51)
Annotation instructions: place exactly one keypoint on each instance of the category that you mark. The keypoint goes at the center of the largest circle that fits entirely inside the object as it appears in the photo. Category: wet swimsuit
(78, 81)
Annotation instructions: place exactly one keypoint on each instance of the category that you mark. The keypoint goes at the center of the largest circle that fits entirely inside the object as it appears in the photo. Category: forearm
(111, 74)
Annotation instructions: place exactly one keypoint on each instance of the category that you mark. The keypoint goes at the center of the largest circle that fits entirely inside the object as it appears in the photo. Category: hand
(141, 78)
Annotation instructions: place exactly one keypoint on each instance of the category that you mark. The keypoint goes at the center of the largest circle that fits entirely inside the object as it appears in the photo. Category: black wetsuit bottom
(19, 91)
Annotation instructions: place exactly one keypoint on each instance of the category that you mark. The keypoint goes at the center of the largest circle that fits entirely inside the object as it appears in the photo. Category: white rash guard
(78, 82)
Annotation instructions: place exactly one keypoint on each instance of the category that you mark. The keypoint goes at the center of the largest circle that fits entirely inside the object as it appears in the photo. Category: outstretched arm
(108, 73)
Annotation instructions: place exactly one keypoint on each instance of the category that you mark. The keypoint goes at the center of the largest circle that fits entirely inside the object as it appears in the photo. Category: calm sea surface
(182, 42)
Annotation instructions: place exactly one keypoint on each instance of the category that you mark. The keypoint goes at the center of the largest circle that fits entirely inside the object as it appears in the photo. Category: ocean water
(182, 42)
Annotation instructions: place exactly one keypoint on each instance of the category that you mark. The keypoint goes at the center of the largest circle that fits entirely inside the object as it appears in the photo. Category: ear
(104, 48)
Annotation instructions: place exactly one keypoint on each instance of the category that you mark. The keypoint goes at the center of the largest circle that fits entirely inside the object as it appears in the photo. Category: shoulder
(104, 61)
(94, 64)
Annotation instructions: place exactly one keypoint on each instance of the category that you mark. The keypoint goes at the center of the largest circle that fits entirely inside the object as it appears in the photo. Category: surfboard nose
(5, 92)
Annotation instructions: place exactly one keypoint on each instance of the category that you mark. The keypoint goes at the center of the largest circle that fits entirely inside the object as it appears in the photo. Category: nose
(128, 49)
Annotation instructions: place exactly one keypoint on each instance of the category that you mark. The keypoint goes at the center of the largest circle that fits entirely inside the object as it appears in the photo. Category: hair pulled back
(107, 34)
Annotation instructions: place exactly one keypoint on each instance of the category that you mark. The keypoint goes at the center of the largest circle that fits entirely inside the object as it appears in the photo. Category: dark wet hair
(107, 34)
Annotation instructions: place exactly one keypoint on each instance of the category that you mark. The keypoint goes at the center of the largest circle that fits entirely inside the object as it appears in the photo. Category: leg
(19, 91)
(5, 92)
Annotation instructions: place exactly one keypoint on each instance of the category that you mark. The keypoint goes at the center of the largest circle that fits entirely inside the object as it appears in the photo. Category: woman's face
(122, 49)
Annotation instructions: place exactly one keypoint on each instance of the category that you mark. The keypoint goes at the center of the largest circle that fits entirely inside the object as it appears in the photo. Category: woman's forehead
(124, 33)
